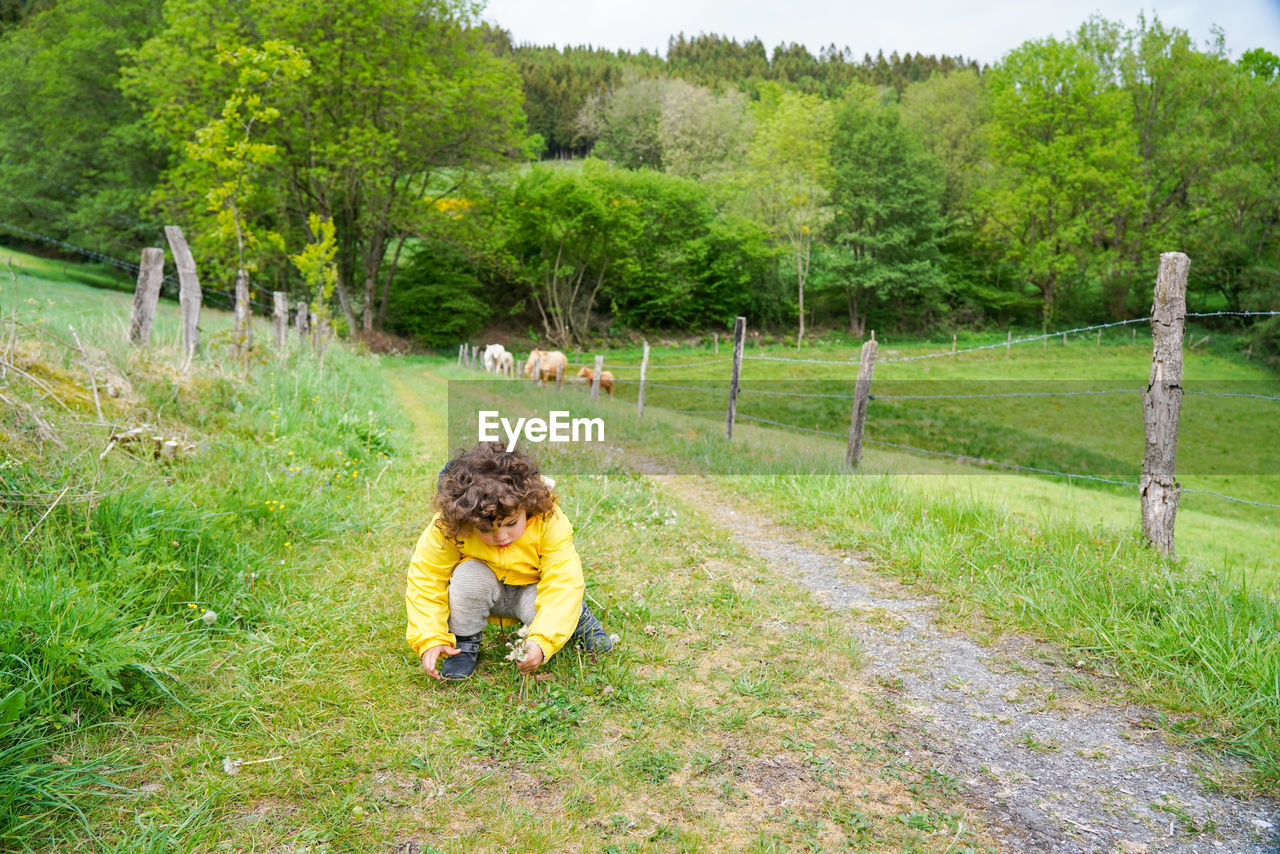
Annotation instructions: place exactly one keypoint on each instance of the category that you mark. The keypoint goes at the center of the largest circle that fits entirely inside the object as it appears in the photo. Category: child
(499, 547)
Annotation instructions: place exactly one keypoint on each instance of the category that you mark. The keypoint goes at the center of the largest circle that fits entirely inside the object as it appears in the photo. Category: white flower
(519, 645)
(209, 617)
(231, 766)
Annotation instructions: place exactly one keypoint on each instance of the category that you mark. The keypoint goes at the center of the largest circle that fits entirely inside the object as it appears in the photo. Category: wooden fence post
(146, 295)
(1008, 342)
(1162, 402)
(462, 349)
(739, 338)
(559, 375)
(644, 369)
(715, 338)
(315, 331)
(189, 295)
(953, 343)
(280, 317)
(322, 335)
(595, 379)
(243, 329)
(302, 313)
(861, 394)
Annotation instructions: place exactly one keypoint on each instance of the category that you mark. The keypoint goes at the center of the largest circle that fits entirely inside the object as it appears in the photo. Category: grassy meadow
(206, 653)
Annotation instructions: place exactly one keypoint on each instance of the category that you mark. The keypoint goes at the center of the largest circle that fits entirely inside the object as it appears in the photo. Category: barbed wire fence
(748, 391)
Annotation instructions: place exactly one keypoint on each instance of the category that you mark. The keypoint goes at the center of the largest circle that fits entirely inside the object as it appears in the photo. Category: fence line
(125, 266)
(962, 457)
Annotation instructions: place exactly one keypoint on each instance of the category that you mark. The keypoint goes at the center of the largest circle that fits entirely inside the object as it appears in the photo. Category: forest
(424, 177)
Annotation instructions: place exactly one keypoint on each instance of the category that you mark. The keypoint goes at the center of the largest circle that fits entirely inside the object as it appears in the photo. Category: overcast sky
(984, 30)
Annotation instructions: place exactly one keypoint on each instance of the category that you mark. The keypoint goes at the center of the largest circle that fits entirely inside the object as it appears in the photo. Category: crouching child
(498, 549)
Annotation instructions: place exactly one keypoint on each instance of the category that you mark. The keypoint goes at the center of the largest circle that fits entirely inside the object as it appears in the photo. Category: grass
(1043, 556)
(708, 729)
(733, 716)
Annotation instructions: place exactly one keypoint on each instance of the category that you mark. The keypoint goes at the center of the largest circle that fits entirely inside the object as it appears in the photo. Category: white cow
(506, 364)
(490, 357)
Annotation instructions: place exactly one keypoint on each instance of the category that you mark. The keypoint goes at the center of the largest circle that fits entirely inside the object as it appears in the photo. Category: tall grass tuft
(125, 571)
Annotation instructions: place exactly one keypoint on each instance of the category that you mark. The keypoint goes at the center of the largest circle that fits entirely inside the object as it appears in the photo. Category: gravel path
(1053, 767)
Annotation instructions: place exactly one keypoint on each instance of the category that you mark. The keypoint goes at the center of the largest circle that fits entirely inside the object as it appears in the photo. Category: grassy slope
(1224, 445)
(715, 726)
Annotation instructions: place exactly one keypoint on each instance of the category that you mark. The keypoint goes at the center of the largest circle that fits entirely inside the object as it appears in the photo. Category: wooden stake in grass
(1162, 403)
(301, 320)
(559, 375)
(145, 296)
(739, 339)
(280, 317)
(861, 394)
(644, 369)
(189, 294)
(595, 379)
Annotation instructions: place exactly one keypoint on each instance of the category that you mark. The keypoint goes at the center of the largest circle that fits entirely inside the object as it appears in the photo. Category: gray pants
(475, 594)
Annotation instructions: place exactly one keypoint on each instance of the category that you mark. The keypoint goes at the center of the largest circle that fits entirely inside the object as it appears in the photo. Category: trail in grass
(1041, 746)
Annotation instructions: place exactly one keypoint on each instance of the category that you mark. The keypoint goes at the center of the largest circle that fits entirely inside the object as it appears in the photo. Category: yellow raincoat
(544, 555)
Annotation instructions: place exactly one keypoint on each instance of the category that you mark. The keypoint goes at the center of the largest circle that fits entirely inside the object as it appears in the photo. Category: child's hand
(429, 658)
(533, 656)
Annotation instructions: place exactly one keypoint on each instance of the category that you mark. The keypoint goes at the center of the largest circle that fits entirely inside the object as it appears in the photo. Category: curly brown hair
(486, 484)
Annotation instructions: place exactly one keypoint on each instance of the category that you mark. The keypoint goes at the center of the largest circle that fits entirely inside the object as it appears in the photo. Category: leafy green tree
(886, 193)
(624, 122)
(403, 97)
(1064, 167)
(784, 183)
(76, 159)
(702, 134)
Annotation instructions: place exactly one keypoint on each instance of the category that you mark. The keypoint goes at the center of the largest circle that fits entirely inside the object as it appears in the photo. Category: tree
(403, 97)
(1065, 170)
(784, 182)
(886, 194)
(76, 159)
(702, 134)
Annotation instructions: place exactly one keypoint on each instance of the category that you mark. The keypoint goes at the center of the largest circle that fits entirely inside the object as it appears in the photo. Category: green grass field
(123, 702)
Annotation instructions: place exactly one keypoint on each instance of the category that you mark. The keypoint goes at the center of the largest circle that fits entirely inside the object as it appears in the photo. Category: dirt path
(1034, 742)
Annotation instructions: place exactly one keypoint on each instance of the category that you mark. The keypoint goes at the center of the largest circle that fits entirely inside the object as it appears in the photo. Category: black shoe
(590, 635)
(463, 663)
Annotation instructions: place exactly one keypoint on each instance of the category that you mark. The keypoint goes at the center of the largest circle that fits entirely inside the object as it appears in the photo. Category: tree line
(411, 166)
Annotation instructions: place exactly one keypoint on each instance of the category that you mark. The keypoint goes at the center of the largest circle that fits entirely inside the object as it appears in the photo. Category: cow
(490, 357)
(505, 364)
(549, 359)
(606, 378)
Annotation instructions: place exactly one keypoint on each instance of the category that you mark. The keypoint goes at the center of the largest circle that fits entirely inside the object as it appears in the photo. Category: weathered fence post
(462, 351)
(302, 313)
(595, 379)
(644, 369)
(322, 335)
(1162, 402)
(715, 338)
(146, 295)
(189, 295)
(1008, 342)
(280, 317)
(739, 338)
(953, 343)
(559, 375)
(243, 330)
(861, 394)
(315, 331)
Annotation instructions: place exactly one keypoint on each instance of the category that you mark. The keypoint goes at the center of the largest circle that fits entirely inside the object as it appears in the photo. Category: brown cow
(606, 378)
(550, 359)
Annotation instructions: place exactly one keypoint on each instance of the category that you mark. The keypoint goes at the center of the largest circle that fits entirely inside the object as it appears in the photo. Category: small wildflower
(191, 604)
(614, 638)
(174, 544)
(231, 766)
(209, 617)
(518, 645)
